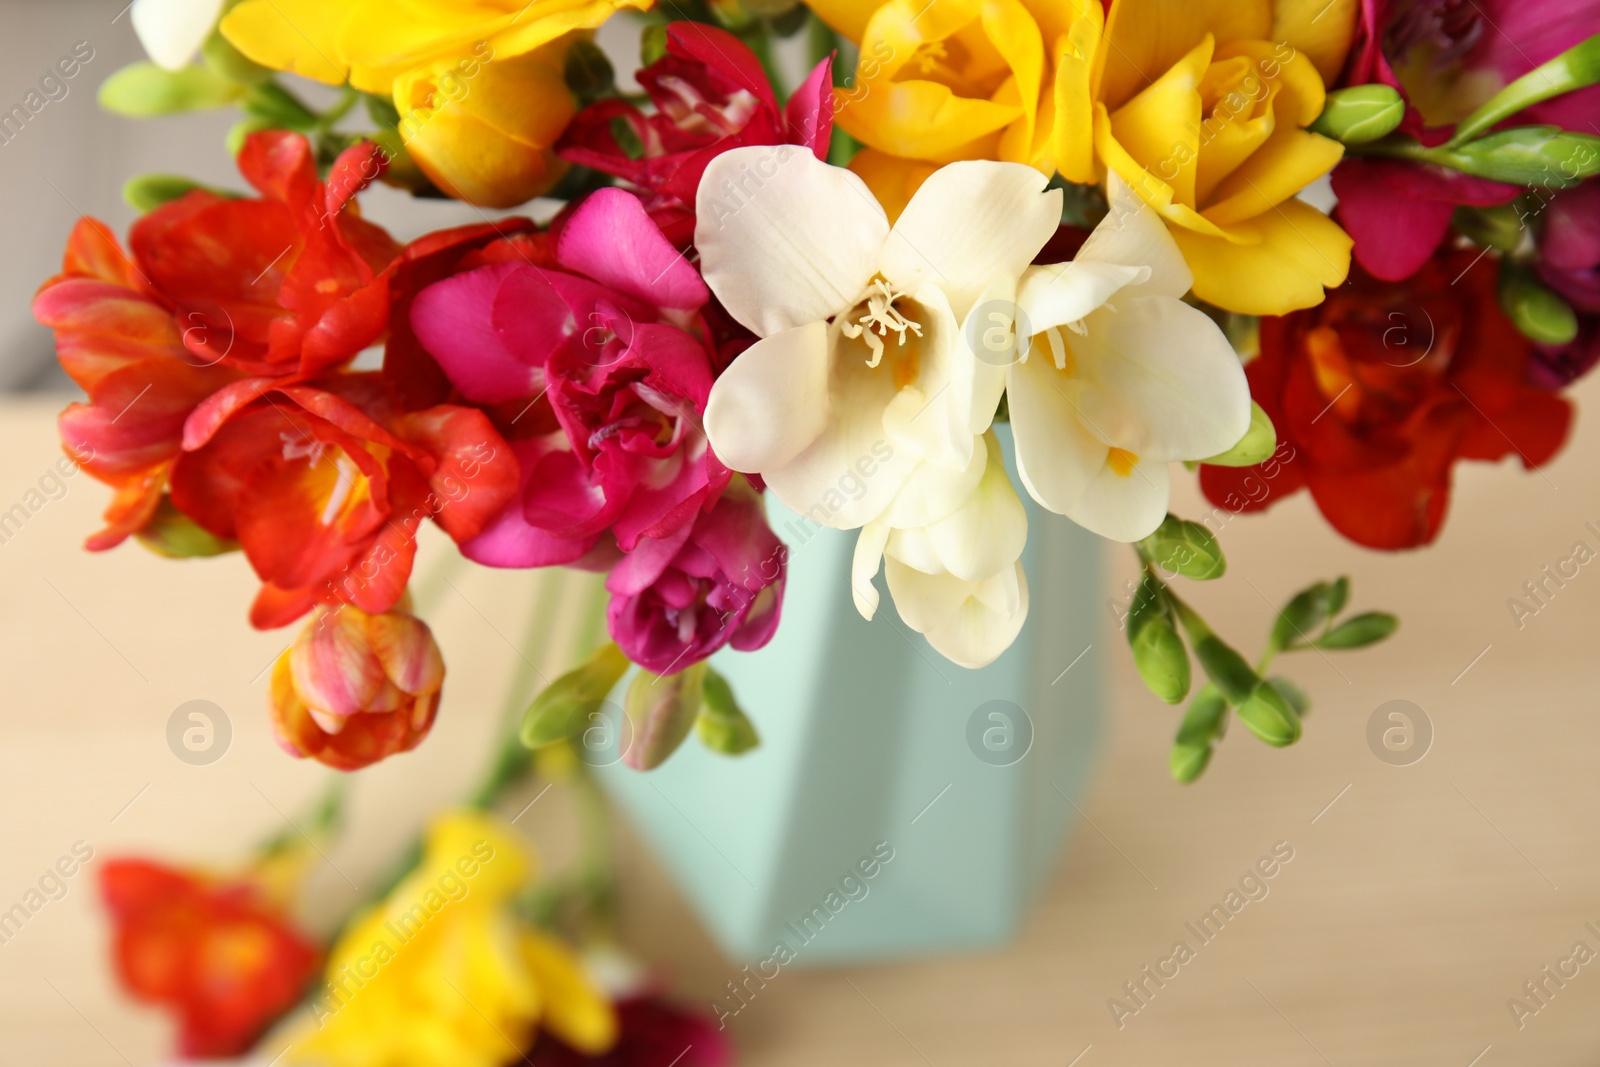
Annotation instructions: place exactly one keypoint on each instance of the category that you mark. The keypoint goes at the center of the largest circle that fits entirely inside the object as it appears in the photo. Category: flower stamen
(883, 317)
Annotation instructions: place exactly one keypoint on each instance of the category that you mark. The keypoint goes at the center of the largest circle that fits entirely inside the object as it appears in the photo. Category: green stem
(348, 97)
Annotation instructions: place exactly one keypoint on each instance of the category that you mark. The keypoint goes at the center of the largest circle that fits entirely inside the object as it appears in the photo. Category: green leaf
(1226, 668)
(142, 90)
(723, 726)
(1158, 651)
(278, 108)
(662, 710)
(652, 43)
(1270, 717)
(1538, 313)
(1359, 631)
(1187, 548)
(146, 192)
(1360, 114)
(1256, 446)
(382, 111)
(1576, 68)
(173, 534)
(1299, 620)
(1202, 725)
(563, 709)
(1338, 595)
(1499, 226)
(588, 71)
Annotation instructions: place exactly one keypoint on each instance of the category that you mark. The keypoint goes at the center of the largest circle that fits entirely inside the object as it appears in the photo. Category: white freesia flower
(172, 31)
(958, 580)
(861, 323)
(1121, 378)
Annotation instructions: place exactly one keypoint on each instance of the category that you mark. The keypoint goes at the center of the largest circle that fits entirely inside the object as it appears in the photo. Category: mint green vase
(898, 804)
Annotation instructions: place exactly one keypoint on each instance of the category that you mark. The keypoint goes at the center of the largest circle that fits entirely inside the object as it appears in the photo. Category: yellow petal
(1301, 93)
(1151, 189)
(1160, 127)
(1145, 37)
(301, 36)
(924, 120)
(1290, 160)
(1320, 30)
(894, 180)
(1293, 252)
(849, 17)
(1072, 117)
(574, 1010)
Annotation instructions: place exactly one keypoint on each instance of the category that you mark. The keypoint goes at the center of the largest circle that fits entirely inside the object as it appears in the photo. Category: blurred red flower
(223, 958)
(1379, 391)
(652, 1033)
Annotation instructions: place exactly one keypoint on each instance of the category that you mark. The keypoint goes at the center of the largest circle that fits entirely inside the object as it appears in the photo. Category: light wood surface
(1418, 901)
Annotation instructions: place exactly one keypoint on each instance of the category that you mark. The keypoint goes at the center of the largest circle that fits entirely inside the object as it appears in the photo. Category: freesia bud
(1538, 313)
(357, 688)
(482, 128)
(1360, 114)
(1158, 651)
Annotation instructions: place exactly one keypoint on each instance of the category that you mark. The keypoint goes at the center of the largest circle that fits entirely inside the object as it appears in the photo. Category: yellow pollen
(1122, 462)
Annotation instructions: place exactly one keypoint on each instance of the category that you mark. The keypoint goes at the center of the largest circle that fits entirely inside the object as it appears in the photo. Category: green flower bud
(1360, 114)
(1541, 315)
(564, 708)
(1360, 631)
(1269, 716)
(662, 710)
(1545, 156)
(1186, 548)
(1256, 446)
(1158, 651)
(142, 90)
(173, 534)
(722, 725)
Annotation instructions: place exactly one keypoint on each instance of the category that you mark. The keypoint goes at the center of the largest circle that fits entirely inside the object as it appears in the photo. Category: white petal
(914, 548)
(929, 415)
(172, 31)
(1134, 235)
(986, 535)
(1161, 380)
(968, 224)
(989, 334)
(934, 492)
(1067, 292)
(977, 633)
(784, 238)
(925, 601)
(1124, 507)
(1057, 456)
(851, 473)
(772, 401)
(864, 567)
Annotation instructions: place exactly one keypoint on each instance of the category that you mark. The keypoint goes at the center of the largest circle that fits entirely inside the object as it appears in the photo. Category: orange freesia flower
(219, 953)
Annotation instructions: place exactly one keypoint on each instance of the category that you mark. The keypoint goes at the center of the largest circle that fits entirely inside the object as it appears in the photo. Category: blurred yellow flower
(971, 79)
(478, 83)
(442, 974)
(1200, 106)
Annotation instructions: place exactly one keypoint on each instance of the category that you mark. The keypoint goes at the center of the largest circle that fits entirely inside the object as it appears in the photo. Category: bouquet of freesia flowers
(973, 262)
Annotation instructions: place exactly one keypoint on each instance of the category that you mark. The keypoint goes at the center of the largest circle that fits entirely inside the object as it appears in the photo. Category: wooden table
(1418, 901)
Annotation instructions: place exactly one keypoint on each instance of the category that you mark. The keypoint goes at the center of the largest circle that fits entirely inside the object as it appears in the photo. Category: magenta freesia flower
(710, 95)
(605, 356)
(676, 600)
(1446, 57)
(1569, 263)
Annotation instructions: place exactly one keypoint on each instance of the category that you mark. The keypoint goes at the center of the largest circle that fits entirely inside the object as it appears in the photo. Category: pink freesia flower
(1446, 57)
(606, 357)
(1569, 263)
(676, 600)
(710, 95)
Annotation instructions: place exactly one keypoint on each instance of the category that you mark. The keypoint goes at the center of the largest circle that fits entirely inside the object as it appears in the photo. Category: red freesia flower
(324, 488)
(1446, 57)
(221, 956)
(651, 1033)
(1377, 394)
(710, 94)
(218, 293)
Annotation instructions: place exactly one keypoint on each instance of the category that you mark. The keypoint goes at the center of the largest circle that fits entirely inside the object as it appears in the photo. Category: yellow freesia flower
(970, 79)
(442, 974)
(478, 83)
(1200, 106)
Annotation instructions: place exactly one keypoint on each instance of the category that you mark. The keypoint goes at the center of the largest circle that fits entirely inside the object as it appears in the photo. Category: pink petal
(1398, 213)
(611, 239)
(454, 320)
